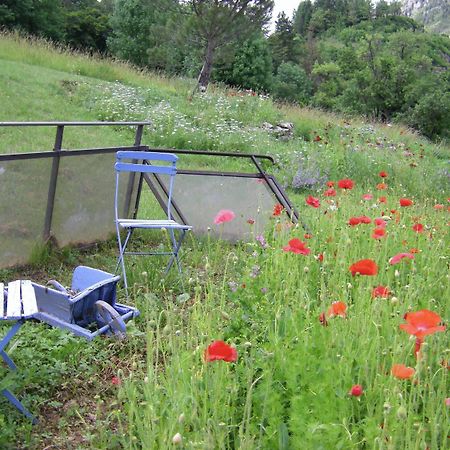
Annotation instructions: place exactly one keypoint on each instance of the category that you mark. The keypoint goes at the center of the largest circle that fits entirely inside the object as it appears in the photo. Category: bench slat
(2, 299)
(28, 299)
(14, 305)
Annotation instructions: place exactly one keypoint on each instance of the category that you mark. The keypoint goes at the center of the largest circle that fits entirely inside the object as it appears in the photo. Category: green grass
(289, 387)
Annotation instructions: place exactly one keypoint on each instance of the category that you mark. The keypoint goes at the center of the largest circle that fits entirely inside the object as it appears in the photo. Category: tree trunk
(205, 73)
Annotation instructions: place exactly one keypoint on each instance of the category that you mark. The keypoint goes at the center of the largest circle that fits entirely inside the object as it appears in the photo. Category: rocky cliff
(434, 14)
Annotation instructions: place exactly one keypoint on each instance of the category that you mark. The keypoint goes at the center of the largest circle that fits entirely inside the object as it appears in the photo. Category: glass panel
(201, 197)
(84, 204)
(23, 202)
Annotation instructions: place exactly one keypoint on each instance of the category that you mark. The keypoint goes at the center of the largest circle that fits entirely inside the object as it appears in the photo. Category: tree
(283, 42)
(217, 22)
(87, 28)
(302, 17)
(39, 17)
(252, 66)
(141, 32)
(292, 83)
(130, 37)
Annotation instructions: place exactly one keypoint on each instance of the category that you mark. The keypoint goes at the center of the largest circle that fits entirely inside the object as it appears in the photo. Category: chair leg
(121, 259)
(175, 249)
(9, 335)
(15, 401)
(8, 394)
(8, 360)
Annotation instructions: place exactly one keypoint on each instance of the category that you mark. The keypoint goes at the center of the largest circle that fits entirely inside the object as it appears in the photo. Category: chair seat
(142, 223)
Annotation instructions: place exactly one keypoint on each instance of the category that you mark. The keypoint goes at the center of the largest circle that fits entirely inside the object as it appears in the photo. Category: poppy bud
(356, 390)
(402, 413)
(177, 439)
(181, 418)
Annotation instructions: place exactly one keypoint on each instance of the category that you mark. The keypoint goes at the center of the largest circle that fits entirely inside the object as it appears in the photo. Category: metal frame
(271, 182)
(153, 182)
(57, 153)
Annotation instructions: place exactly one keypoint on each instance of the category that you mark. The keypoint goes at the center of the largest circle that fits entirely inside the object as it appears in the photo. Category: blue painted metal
(148, 156)
(91, 301)
(124, 223)
(5, 392)
(129, 167)
(77, 312)
(15, 401)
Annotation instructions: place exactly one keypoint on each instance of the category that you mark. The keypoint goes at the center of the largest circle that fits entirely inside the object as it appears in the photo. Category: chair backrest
(143, 163)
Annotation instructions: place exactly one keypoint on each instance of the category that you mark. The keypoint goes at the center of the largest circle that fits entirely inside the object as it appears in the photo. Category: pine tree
(218, 22)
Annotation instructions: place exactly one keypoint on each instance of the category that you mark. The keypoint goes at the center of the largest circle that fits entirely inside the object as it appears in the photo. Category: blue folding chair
(141, 163)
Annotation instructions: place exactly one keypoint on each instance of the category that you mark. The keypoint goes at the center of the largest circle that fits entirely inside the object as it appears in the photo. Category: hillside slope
(40, 83)
(434, 14)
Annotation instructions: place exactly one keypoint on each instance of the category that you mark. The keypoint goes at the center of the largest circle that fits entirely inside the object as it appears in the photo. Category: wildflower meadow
(330, 333)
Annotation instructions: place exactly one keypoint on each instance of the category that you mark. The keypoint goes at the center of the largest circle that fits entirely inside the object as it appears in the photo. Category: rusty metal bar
(52, 184)
(132, 178)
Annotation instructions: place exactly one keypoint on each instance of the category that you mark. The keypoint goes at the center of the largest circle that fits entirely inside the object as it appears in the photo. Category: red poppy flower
(379, 233)
(422, 323)
(438, 207)
(330, 184)
(317, 138)
(219, 350)
(356, 390)
(397, 258)
(418, 228)
(364, 267)
(312, 201)
(382, 200)
(381, 291)
(381, 186)
(367, 197)
(297, 246)
(320, 257)
(330, 193)
(357, 220)
(337, 309)
(383, 174)
(402, 372)
(346, 183)
(116, 381)
(380, 223)
(405, 202)
(307, 236)
(223, 216)
(277, 209)
(414, 250)
(365, 219)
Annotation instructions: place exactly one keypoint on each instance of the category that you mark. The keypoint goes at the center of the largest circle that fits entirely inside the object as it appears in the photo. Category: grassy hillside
(291, 386)
(55, 85)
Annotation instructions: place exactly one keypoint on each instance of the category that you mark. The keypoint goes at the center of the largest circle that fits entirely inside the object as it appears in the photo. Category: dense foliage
(339, 55)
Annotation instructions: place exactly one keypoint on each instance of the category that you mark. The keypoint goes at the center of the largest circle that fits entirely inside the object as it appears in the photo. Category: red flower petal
(219, 350)
(364, 267)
